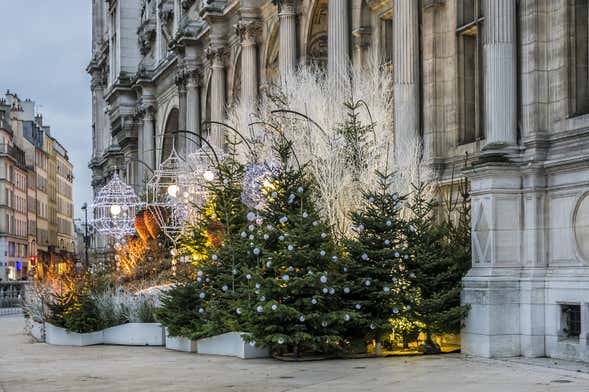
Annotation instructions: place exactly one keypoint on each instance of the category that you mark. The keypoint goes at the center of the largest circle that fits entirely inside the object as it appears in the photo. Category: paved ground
(30, 367)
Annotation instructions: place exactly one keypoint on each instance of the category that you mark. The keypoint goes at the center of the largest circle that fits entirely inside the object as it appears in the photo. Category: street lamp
(86, 237)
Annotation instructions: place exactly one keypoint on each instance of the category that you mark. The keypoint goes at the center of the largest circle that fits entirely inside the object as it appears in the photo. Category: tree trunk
(378, 347)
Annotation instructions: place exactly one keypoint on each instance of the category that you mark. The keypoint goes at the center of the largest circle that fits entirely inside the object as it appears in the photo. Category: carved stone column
(181, 77)
(248, 31)
(148, 137)
(287, 56)
(338, 40)
(500, 73)
(193, 109)
(406, 73)
(216, 56)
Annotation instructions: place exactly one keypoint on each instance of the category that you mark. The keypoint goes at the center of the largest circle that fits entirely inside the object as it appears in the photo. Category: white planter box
(179, 343)
(61, 337)
(231, 344)
(135, 334)
(38, 331)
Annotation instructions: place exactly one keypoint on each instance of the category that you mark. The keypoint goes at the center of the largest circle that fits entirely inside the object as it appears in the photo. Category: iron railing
(12, 296)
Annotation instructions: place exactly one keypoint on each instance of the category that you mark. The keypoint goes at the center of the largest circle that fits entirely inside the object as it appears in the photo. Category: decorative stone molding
(433, 3)
(166, 10)
(581, 226)
(146, 35)
(186, 4)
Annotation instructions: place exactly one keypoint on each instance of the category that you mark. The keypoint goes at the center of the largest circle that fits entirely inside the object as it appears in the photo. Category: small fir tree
(438, 272)
(295, 284)
(378, 287)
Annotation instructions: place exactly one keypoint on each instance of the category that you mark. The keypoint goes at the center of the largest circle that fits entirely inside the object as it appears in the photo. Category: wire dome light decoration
(114, 209)
(257, 184)
(171, 195)
(203, 170)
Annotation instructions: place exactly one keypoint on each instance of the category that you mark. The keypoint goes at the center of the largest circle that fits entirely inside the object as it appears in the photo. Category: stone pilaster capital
(248, 30)
(216, 55)
(194, 77)
(285, 7)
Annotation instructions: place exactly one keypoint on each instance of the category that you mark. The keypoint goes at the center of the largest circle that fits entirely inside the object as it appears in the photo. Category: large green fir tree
(378, 276)
(202, 303)
(437, 269)
(296, 285)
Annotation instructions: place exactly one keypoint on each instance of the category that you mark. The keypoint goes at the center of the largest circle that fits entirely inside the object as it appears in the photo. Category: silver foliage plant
(309, 109)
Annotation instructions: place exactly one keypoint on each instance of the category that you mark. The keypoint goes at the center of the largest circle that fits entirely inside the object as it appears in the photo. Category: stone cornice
(248, 30)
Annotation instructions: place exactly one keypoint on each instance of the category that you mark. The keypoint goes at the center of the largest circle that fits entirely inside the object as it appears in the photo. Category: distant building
(36, 201)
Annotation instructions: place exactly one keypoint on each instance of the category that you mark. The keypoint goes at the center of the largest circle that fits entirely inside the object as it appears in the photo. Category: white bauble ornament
(274, 307)
(323, 235)
(243, 234)
(274, 194)
(332, 291)
(199, 273)
(364, 256)
(406, 257)
(325, 290)
(367, 283)
(302, 319)
(300, 189)
(251, 216)
(412, 275)
(395, 310)
(334, 258)
(207, 280)
(395, 197)
(290, 268)
(322, 253)
(256, 251)
(285, 278)
(251, 237)
(266, 236)
(387, 242)
(315, 223)
(214, 257)
(394, 279)
(324, 324)
(323, 279)
(411, 227)
(199, 279)
(257, 285)
(290, 247)
(372, 326)
(305, 215)
(346, 290)
(408, 307)
(347, 317)
(259, 309)
(280, 341)
(361, 227)
(268, 264)
(238, 310)
(225, 288)
(386, 289)
(314, 301)
(371, 199)
(389, 223)
(251, 227)
(281, 238)
(358, 306)
(397, 254)
(248, 276)
(262, 298)
(202, 295)
(234, 271)
(284, 219)
(201, 310)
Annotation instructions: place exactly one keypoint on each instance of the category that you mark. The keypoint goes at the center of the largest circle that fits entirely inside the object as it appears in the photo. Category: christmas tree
(295, 305)
(438, 273)
(202, 303)
(377, 274)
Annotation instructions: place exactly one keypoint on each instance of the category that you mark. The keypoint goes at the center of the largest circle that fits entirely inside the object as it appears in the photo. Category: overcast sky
(45, 47)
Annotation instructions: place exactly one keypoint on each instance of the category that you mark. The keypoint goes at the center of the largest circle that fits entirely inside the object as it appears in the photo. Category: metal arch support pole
(249, 146)
(203, 140)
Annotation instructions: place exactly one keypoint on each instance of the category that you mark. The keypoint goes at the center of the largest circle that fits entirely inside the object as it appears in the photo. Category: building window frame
(578, 37)
(470, 28)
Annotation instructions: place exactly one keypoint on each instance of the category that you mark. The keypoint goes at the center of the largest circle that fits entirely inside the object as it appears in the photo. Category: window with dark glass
(571, 321)
(470, 70)
(579, 45)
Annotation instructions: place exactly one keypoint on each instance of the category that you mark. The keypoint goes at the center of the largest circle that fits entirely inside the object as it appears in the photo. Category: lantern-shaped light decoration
(114, 209)
(258, 184)
(168, 194)
(203, 171)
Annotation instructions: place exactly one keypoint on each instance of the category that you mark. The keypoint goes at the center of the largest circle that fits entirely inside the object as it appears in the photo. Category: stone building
(503, 83)
(35, 190)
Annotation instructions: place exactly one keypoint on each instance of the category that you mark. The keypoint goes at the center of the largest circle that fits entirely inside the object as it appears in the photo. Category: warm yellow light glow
(115, 210)
(267, 184)
(173, 190)
(209, 175)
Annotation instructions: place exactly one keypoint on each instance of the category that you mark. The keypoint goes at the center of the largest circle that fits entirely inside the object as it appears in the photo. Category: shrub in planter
(75, 312)
(180, 311)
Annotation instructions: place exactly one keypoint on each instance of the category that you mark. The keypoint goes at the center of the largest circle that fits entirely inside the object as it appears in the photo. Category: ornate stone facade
(502, 82)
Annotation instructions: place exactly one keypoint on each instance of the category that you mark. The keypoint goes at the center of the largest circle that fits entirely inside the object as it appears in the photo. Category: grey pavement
(28, 366)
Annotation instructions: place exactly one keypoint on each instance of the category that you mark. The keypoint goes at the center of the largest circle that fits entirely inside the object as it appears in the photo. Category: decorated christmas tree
(378, 279)
(295, 306)
(438, 272)
(201, 304)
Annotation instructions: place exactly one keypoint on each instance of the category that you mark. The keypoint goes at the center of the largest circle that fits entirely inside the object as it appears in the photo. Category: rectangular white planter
(231, 344)
(179, 343)
(38, 331)
(135, 334)
(61, 337)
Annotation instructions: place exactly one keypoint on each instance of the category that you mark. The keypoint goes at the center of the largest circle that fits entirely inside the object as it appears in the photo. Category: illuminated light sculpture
(114, 209)
(170, 195)
(257, 184)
